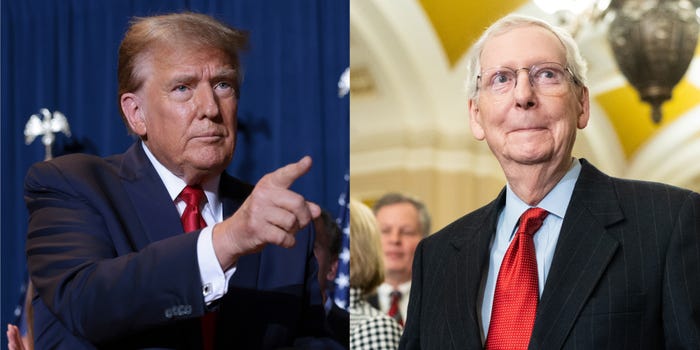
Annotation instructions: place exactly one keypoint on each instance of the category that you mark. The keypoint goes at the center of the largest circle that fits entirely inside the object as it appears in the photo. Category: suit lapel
(156, 212)
(464, 272)
(583, 251)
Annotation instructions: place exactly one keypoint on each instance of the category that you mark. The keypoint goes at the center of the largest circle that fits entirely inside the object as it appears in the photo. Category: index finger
(286, 175)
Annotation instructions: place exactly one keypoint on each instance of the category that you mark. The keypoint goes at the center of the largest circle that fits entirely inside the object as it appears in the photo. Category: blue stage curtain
(62, 55)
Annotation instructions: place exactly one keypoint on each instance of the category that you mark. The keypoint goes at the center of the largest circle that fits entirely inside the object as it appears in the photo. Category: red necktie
(192, 220)
(517, 292)
(394, 311)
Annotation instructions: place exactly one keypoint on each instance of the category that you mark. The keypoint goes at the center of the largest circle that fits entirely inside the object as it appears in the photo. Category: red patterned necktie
(517, 291)
(394, 311)
(192, 220)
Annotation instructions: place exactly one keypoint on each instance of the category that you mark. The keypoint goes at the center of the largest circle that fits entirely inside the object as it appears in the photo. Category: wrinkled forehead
(174, 51)
(170, 57)
(522, 46)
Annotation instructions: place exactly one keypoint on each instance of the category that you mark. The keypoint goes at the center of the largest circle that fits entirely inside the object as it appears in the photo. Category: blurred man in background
(403, 222)
(327, 248)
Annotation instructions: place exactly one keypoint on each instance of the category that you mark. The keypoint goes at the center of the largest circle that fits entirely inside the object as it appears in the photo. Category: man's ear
(584, 114)
(131, 107)
(475, 120)
(332, 270)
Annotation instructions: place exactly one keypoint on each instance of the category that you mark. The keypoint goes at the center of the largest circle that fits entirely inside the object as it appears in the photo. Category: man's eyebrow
(225, 73)
(182, 77)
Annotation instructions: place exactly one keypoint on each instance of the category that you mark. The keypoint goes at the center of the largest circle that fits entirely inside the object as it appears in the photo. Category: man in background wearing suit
(327, 247)
(403, 221)
(613, 264)
(159, 247)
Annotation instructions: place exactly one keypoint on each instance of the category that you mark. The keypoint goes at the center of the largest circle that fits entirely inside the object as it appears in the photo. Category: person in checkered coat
(369, 328)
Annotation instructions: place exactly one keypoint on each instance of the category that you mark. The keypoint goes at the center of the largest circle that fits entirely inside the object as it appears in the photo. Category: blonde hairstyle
(366, 265)
(574, 61)
(185, 30)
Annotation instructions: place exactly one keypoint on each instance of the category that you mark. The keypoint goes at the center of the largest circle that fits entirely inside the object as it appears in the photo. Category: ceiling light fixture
(653, 41)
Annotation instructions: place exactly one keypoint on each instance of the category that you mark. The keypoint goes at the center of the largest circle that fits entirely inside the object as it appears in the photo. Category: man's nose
(394, 236)
(208, 103)
(524, 91)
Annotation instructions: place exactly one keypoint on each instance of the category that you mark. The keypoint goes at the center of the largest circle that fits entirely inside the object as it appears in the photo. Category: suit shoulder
(461, 227)
(77, 165)
(648, 190)
(75, 161)
(630, 189)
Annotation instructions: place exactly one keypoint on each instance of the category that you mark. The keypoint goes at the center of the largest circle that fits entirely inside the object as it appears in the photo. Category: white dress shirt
(555, 202)
(384, 298)
(214, 279)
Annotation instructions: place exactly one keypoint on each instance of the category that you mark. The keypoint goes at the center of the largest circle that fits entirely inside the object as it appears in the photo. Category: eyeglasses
(548, 78)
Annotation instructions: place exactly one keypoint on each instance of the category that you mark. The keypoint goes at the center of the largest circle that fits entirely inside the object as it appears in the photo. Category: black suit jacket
(339, 324)
(113, 269)
(625, 273)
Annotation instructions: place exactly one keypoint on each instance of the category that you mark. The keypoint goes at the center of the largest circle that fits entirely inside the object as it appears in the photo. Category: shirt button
(206, 289)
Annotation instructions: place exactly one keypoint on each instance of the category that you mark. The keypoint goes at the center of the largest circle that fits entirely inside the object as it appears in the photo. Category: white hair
(574, 61)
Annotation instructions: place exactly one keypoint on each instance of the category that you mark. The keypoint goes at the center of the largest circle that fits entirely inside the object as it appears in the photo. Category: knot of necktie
(532, 220)
(395, 295)
(192, 219)
(192, 195)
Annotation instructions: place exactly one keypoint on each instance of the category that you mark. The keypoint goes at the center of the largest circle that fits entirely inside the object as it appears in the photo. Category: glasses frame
(564, 68)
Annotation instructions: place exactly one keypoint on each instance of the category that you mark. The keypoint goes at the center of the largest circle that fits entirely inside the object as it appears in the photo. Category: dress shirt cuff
(214, 279)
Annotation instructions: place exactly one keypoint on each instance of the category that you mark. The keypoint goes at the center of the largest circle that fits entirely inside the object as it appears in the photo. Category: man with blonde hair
(159, 247)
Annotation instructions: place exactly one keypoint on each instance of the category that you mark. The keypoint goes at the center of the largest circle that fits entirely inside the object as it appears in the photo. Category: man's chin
(210, 161)
(530, 158)
(395, 271)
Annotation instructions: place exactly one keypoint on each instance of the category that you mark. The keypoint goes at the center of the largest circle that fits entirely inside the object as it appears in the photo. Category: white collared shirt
(214, 279)
(555, 202)
(384, 297)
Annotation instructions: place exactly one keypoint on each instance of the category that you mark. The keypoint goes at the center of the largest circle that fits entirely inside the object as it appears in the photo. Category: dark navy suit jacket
(113, 268)
(625, 273)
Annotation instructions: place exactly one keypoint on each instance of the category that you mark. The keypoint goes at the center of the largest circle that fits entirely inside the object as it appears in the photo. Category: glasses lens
(498, 80)
(549, 78)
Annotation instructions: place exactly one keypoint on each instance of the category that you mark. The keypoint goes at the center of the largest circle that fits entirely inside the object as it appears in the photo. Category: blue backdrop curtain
(62, 55)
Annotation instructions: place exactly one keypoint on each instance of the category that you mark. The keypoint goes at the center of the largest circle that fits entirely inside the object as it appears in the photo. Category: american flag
(342, 280)
(341, 292)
